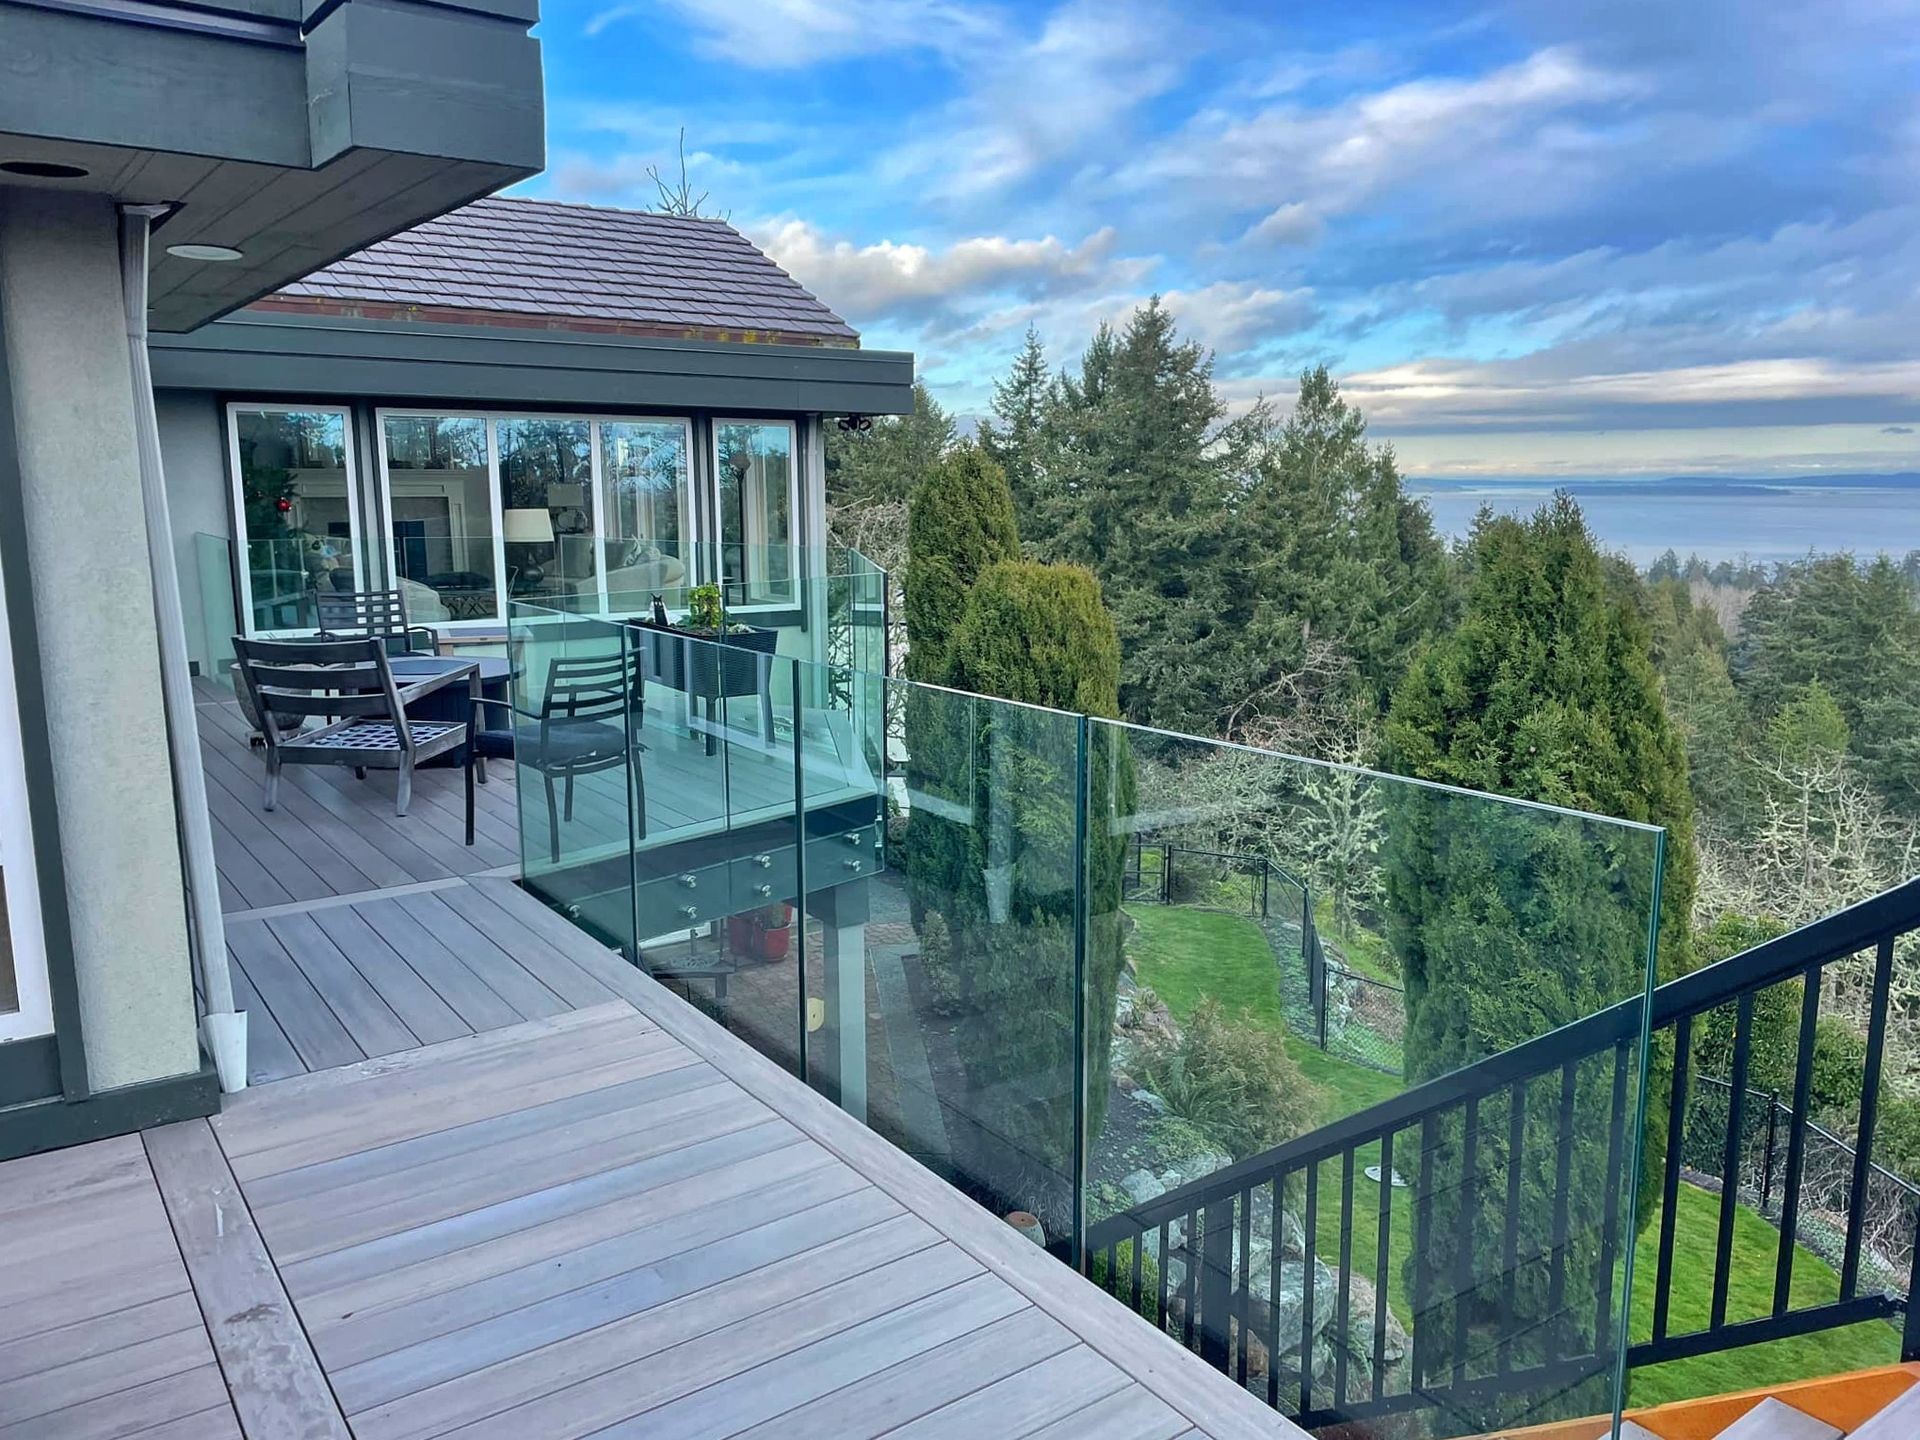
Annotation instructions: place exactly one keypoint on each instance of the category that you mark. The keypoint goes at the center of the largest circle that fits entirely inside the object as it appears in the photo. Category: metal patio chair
(588, 720)
(350, 685)
(382, 614)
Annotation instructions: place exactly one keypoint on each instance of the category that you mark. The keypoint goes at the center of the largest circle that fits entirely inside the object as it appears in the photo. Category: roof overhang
(293, 131)
(285, 355)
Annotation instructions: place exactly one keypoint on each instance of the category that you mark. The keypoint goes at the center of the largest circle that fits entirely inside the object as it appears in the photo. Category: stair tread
(1899, 1421)
(1774, 1419)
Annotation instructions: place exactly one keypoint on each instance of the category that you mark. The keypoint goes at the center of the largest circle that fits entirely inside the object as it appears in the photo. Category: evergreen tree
(1856, 629)
(1509, 923)
(959, 522)
(886, 462)
(992, 869)
(1336, 549)
(1017, 436)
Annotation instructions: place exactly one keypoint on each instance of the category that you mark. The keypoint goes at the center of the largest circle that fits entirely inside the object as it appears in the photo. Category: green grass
(1190, 955)
(1365, 952)
(1749, 1295)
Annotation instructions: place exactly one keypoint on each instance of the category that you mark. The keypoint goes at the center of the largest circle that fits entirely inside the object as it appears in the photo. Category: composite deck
(497, 1182)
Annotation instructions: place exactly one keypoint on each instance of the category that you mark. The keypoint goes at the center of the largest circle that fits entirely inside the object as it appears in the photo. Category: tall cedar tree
(959, 521)
(1016, 435)
(1136, 490)
(1336, 548)
(1510, 923)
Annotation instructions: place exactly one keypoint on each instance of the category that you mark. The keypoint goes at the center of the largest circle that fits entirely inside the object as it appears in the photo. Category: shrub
(1234, 1079)
(959, 521)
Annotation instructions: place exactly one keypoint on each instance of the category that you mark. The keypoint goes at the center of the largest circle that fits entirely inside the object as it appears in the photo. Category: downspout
(223, 1028)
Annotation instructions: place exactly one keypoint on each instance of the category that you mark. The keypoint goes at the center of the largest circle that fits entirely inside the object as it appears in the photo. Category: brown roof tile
(543, 258)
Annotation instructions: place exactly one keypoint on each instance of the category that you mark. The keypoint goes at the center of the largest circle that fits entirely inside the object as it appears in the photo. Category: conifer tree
(1510, 923)
(1017, 436)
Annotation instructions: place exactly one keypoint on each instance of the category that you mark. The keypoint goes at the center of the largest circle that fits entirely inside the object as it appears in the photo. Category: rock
(1141, 1186)
(1153, 1102)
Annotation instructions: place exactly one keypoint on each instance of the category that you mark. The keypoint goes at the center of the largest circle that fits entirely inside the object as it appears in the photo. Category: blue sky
(1542, 237)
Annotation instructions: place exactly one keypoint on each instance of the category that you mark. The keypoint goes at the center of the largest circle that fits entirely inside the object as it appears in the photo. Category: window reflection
(644, 466)
(754, 460)
(296, 511)
(440, 486)
(546, 486)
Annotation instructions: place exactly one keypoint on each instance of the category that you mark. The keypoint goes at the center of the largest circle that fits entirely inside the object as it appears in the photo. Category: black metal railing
(1521, 1208)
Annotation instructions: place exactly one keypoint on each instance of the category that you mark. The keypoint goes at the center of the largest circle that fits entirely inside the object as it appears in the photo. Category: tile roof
(528, 261)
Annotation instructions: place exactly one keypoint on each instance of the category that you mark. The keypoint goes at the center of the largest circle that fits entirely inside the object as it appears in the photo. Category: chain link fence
(1891, 1208)
(1345, 1012)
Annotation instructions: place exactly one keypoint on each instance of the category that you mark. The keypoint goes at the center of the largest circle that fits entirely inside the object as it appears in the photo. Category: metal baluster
(1273, 1294)
(1610, 1224)
(1869, 1114)
(1190, 1282)
(1422, 1240)
(1309, 1251)
(1381, 1264)
(1796, 1140)
(1139, 1263)
(1670, 1179)
(1730, 1160)
(1243, 1289)
(1343, 1314)
(1467, 1198)
(1562, 1198)
(1216, 1281)
(1166, 1270)
(1510, 1243)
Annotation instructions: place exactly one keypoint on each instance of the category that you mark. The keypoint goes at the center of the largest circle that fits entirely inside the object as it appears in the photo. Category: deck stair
(1775, 1418)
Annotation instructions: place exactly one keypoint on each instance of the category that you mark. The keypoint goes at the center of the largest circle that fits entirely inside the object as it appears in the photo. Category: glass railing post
(1082, 900)
(800, 874)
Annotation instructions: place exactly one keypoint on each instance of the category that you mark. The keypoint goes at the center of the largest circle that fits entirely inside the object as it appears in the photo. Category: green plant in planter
(705, 611)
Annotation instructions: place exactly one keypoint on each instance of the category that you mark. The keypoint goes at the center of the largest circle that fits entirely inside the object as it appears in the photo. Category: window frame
(25, 921)
(356, 518)
(597, 480)
(794, 462)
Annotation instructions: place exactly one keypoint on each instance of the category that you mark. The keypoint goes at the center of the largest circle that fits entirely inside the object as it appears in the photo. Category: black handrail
(1446, 1120)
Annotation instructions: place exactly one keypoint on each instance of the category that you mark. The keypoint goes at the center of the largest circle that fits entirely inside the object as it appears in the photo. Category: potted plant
(692, 668)
(763, 934)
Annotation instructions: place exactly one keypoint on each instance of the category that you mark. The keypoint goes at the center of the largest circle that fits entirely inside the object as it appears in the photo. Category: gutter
(223, 1029)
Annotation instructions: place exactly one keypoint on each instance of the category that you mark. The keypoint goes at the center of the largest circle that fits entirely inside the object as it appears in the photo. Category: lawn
(1189, 955)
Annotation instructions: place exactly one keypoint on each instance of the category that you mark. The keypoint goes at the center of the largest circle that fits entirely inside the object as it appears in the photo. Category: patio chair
(350, 685)
(349, 614)
(588, 720)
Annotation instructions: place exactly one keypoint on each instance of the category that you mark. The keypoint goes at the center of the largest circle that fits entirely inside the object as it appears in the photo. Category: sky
(1543, 238)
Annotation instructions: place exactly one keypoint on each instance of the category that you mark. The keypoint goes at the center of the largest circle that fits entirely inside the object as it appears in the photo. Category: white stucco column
(93, 611)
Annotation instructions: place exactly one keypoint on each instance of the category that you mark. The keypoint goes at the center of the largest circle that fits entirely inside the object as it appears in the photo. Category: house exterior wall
(94, 633)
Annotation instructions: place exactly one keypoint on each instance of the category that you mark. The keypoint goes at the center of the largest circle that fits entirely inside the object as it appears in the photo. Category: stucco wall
(93, 619)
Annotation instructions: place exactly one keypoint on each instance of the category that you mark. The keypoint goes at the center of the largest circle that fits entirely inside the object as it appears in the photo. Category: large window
(546, 487)
(441, 505)
(754, 474)
(645, 478)
(25, 1008)
(298, 511)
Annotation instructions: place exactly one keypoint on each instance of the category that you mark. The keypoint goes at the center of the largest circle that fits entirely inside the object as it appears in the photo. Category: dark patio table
(496, 675)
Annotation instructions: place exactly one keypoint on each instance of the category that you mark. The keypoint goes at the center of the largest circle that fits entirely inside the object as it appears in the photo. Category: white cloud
(917, 283)
(1293, 223)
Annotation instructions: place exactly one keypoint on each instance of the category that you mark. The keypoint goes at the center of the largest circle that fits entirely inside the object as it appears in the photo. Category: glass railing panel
(1275, 946)
(213, 622)
(947, 982)
(282, 575)
(577, 724)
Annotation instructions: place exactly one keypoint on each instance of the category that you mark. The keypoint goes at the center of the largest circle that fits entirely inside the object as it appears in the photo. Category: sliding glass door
(25, 1009)
(297, 511)
(755, 480)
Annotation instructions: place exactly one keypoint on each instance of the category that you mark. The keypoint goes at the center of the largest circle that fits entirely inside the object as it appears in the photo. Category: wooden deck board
(100, 1335)
(523, 1191)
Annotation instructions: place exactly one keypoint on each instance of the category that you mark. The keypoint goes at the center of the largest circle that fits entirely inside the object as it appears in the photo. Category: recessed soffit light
(43, 169)
(203, 252)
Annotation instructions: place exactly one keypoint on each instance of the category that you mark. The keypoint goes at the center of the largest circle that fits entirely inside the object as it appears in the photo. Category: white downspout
(224, 1029)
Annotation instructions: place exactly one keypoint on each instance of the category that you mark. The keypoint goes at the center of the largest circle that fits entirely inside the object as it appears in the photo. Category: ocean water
(1761, 522)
